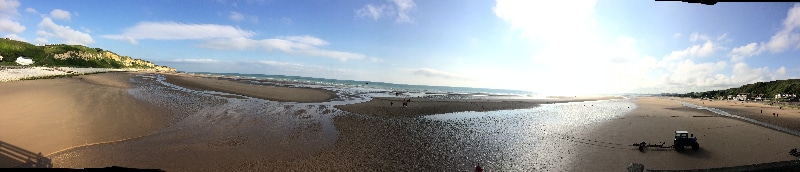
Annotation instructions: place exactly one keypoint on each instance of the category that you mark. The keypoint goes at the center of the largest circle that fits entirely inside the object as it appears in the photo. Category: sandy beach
(134, 120)
(785, 117)
(723, 141)
(49, 115)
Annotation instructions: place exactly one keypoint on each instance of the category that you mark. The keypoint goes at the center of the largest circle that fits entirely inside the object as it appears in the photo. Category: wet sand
(723, 141)
(284, 94)
(393, 107)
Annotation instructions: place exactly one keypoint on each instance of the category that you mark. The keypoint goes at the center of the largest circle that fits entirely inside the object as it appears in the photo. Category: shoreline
(417, 107)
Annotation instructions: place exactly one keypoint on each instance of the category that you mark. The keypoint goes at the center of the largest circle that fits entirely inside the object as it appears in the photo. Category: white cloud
(535, 19)
(403, 6)
(9, 7)
(60, 14)
(303, 45)
(372, 11)
(47, 28)
(739, 53)
(194, 60)
(305, 39)
(264, 67)
(723, 37)
(31, 10)
(375, 59)
(236, 16)
(616, 66)
(239, 17)
(8, 25)
(784, 39)
(787, 37)
(179, 31)
(276, 63)
(704, 50)
(690, 74)
(698, 37)
(396, 8)
(8, 13)
(427, 72)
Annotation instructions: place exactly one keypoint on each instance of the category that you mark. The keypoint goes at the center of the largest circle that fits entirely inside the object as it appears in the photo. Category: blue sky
(548, 47)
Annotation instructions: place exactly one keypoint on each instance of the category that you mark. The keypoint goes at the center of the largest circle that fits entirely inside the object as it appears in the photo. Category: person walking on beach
(391, 103)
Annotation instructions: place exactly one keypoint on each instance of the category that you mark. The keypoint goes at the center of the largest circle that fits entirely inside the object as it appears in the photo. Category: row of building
(758, 97)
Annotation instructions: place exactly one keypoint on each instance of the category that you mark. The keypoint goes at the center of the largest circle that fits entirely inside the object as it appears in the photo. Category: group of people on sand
(405, 102)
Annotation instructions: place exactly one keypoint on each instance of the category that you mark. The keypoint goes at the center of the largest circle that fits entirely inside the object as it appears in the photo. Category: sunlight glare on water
(522, 139)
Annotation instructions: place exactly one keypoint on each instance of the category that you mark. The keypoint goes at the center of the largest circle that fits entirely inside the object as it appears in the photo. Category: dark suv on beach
(682, 139)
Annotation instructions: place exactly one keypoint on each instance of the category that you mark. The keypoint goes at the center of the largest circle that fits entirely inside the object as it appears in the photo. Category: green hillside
(69, 56)
(769, 89)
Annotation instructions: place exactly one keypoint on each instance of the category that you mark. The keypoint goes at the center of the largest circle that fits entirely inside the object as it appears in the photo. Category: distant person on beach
(391, 103)
(478, 168)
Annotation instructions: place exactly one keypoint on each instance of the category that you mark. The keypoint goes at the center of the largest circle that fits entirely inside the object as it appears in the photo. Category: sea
(416, 90)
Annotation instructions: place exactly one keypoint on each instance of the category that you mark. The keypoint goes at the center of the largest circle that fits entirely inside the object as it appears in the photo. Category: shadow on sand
(15, 157)
(700, 153)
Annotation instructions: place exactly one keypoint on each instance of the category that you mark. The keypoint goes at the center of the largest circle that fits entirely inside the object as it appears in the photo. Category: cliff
(72, 56)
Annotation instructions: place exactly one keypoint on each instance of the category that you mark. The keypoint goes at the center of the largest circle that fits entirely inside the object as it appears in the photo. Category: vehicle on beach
(683, 139)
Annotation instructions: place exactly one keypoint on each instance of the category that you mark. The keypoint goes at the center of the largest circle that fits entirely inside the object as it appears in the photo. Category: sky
(547, 47)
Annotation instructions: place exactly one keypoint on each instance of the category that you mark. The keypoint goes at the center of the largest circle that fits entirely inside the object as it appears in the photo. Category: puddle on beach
(505, 140)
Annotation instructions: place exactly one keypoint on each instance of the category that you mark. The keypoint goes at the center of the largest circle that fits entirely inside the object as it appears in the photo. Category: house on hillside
(743, 96)
(24, 61)
(1, 58)
(759, 97)
(779, 96)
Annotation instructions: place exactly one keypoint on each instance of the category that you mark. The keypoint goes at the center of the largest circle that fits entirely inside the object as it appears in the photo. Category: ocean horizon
(393, 87)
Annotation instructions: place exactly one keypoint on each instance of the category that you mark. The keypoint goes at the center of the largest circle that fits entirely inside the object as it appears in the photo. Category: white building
(24, 61)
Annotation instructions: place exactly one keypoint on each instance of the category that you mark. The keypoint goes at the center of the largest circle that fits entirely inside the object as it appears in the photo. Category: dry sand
(786, 117)
(723, 141)
(55, 114)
